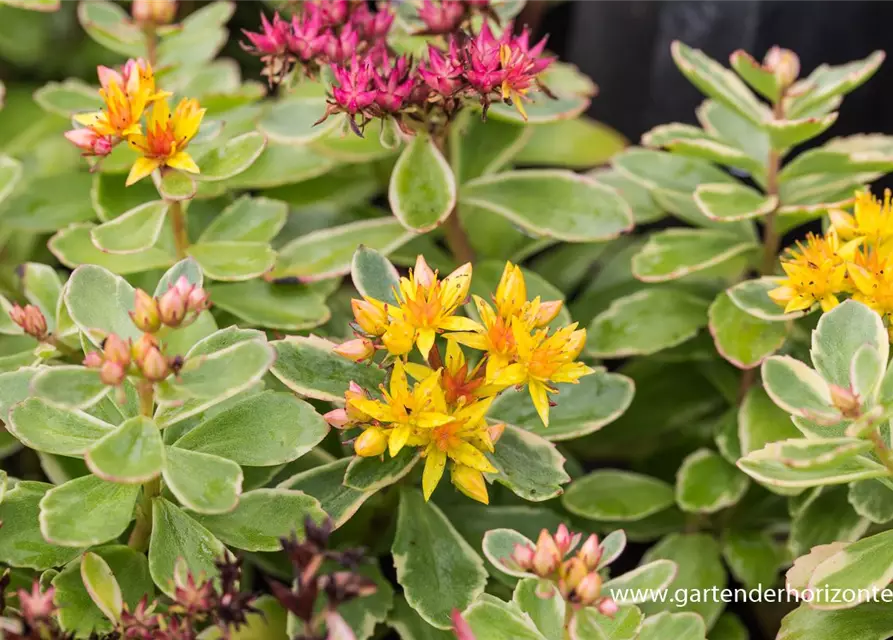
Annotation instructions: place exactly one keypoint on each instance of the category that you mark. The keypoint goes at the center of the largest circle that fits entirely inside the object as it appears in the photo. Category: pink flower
(331, 12)
(90, 142)
(272, 39)
(304, 38)
(443, 73)
(484, 72)
(395, 87)
(443, 16)
(372, 25)
(338, 48)
(354, 92)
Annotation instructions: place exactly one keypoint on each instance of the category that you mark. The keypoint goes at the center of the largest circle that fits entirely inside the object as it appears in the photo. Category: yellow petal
(435, 462)
(418, 371)
(183, 161)
(862, 278)
(798, 303)
(508, 376)
(431, 419)
(829, 302)
(470, 456)
(459, 323)
(571, 372)
(454, 358)
(374, 409)
(399, 436)
(474, 413)
(455, 286)
(140, 169)
(88, 119)
(470, 482)
(399, 386)
(425, 340)
(540, 400)
(473, 340)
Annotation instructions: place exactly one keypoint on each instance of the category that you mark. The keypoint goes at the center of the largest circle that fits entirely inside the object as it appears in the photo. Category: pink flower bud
(785, 64)
(30, 319)
(589, 589)
(443, 16)
(547, 557)
(424, 275)
(607, 607)
(522, 556)
(183, 286)
(145, 312)
(90, 142)
(563, 539)
(116, 350)
(93, 360)
(271, 40)
(460, 627)
(357, 350)
(154, 365)
(495, 431)
(591, 552)
(112, 373)
(337, 418)
(142, 346)
(172, 308)
(846, 401)
(198, 300)
(154, 12)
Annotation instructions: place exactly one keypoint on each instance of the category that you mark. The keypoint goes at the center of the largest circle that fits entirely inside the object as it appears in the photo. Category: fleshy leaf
(52, 429)
(528, 465)
(580, 143)
(590, 623)
(422, 191)
(373, 474)
(767, 466)
(675, 626)
(499, 545)
(733, 202)
(619, 496)
(71, 387)
(292, 121)
(131, 454)
(741, 338)
(325, 484)
(706, 483)
(86, 511)
(233, 261)
(247, 219)
(99, 302)
(102, 586)
(209, 376)
(131, 232)
(373, 274)
(202, 482)
(799, 390)
(290, 307)
(753, 557)
(494, 619)
(546, 613)
(839, 335)
(653, 576)
(675, 253)
(232, 158)
(74, 247)
(752, 296)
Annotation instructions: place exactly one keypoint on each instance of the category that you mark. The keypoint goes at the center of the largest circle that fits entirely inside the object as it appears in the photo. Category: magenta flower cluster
(372, 81)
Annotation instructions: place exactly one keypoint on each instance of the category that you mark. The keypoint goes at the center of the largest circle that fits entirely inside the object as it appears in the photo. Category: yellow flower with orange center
(167, 136)
(461, 384)
(816, 273)
(872, 276)
(870, 222)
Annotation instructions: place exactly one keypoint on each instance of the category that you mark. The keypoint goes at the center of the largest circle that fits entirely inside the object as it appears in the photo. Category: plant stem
(457, 238)
(883, 452)
(151, 44)
(142, 530)
(181, 233)
(62, 348)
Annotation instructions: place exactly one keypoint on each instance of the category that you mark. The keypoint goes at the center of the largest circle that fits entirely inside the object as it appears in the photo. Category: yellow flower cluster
(442, 413)
(127, 95)
(854, 258)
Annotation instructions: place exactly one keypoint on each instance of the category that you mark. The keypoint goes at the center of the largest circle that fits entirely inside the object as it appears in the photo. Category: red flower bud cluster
(576, 576)
(119, 358)
(179, 306)
(30, 318)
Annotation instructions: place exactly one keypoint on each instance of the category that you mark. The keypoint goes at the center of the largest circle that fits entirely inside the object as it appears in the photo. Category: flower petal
(140, 169)
(435, 463)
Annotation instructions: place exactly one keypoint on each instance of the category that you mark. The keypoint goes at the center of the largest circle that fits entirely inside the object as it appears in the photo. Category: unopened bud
(154, 365)
(30, 319)
(112, 373)
(355, 392)
(357, 350)
(337, 418)
(423, 274)
(572, 572)
(784, 63)
(547, 556)
(93, 360)
(172, 307)
(607, 607)
(372, 442)
(142, 346)
(154, 12)
(846, 401)
(399, 338)
(145, 312)
(564, 539)
(589, 589)
(495, 432)
(198, 300)
(591, 552)
(90, 142)
(116, 350)
(371, 318)
(522, 556)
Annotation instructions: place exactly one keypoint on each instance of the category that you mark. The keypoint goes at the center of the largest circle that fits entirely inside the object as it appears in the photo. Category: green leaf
(718, 83)
(373, 474)
(15, 386)
(799, 390)
(860, 567)
(706, 483)
(784, 134)
(325, 484)
(839, 335)
(70, 386)
(546, 613)
(756, 75)
(766, 465)
(761, 421)
(263, 517)
(659, 169)
(101, 585)
(825, 518)
(675, 626)
(753, 558)
(812, 453)
(654, 577)
(741, 338)
(290, 307)
(373, 274)
(724, 202)
(280, 165)
(232, 158)
(74, 247)
(574, 144)
(528, 465)
(86, 511)
(581, 209)
(224, 372)
(174, 185)
(233, 261)
(109, 25)
(132, 232)
(494, 619)
(674, 253)
(687, 140)
(872, 499)
(49, 203)
(498, 546)
(310, 368)
(752, 296)
(646, 322)
(131, 454)
(186, 268)
(341, 145)
(872, 621)
(176, 536)
(364, 614)
(10, 174)
(78, 612)
(202, 482)
(51, 429)
(611, 547)
(248, 219)
(22, 544)
(620, 496)
(410, 626)
(327, 253)
(98, 302)
(265, 429)
(42, 287)
(583, 408)
(479, 148)
(697, 557)
(293, 120)
(589, 623)
(68, 98)
(830, 81)
(636, 195)
(422, 191)
(438, 570)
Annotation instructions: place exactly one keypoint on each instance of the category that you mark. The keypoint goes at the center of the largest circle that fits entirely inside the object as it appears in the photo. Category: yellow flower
(872, 276)
(460, 385)
(371, 315)
(426, 306)
(167, 135)
(816, 273)
(543, 359)
(871, 221)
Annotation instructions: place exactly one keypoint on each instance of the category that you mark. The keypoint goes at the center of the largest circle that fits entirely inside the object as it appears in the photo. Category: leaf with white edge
(216, 374)
(131, 454)
(248, 219)
(10, 174)
(811, 453)
(646, 322)
(831, 161)
(177, 536)
(132, 232)
(327, 253)
(86, 511)
(660, 169)
(766, 466)
(799, 390)
(589, 624)
(528, 465)
(872, 499)
(636, 195)
(373, 474)
(42, 287)
(52, 429)
(69, 386)
(733, 202)
(232, 158)
(752, 296)
(860, 567)
(611, 547)
(741, 338)
(619, 496)
(422, 191)
(697, 557)
(325, 484)
(759, 78)
(98, 302)
(825, 518)
(706, 483)
(830, 81)
(651, 577)
(753, 558)
(870, 621)
(293, 121)
(499, 545)
(74, 248)
(265, 429)
(373, 275)
(186, 268)
(15, 386)
(866, 373)
(718, 83)
(310, 368)
(68, 98)
(687, 140)
(101, 585)
(596, 401)
(410, 626)
(546, 613)
(580, 208)
(784, 134)
(290, 307)
(479, 147)
(22, 544)
(263, 517)
(174, 185)
(580, 143)
(427, 548)
(674, 253)
(840, 333)
(281, 165)
(541, 109)
(202, 482)
(675, 626)
(233, 261)
(491, 618)
(111, 26)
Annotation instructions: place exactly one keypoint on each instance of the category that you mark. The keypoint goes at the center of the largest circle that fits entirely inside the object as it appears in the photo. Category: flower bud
(495, 431)
(470, 482)
(198, 300)
(172, 307)
(572, 573)
(372, 442)
(116, 350)
(522, 556)
(399, 338)
(356, 350)
(154, 365)
(423, 274)
(846, 401)
(337, 418)
(589, 588)
(145, 312)
(563, 539)
(547, 312)
(784, 63)
(607, 607)
(90, 142)
(355, 392)
(30, 319)
(591, 552)
(371, 318)
(142, 346)
(112, 373)
(154, 12)
(547, 556)
(93, 360)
